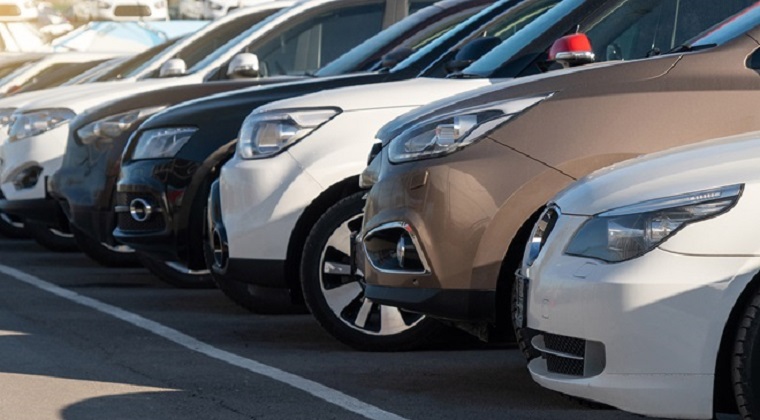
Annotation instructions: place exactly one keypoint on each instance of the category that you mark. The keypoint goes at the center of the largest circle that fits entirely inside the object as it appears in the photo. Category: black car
(86, 182)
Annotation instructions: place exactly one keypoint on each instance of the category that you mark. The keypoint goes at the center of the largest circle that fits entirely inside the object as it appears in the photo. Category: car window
(307, 46)
(128, 68)
(725, 31)
(642, 28)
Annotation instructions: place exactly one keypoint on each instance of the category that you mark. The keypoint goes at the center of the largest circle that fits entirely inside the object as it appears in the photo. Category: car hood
(81, 97)
(414, 92)
(585, 77)
(697, 167)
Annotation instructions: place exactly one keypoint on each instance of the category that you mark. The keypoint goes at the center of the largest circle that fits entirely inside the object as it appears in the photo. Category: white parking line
(316, 389)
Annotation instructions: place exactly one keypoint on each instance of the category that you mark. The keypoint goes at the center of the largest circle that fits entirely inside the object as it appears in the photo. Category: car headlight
(628, 232)
(267, 133)
(162, 142)
(6, 115)
(113, 126)
(37, 122)
(451, 132)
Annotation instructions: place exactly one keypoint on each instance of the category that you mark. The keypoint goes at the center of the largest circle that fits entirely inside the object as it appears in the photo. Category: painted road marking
(318, 390)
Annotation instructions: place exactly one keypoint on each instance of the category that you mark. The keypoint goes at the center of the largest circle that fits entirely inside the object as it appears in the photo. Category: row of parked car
(237, 157)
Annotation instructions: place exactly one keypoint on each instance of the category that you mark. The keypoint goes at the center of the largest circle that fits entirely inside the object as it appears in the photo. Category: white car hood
(79, 98)
(697, 167)
(406, 93)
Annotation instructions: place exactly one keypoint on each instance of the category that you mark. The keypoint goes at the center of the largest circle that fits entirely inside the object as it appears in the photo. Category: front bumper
(42, 154)
(454, 207)
(645, 333)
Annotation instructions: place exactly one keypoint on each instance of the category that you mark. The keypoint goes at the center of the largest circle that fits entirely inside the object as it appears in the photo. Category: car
(175, 235)
(214, 9)
(190, 9)
(21, 37)
(447, 217)
(86, 191)
(121, 10)
(17, 10)
(640, 284)
(299, 27)
(302, 195)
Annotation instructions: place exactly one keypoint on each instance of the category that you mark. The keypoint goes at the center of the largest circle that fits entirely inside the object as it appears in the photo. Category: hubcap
(345, 293)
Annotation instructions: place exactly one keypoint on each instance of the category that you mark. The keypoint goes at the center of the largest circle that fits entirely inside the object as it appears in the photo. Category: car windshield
(128, 67)
(729, 29)
(210, 48)
(56, 75)
(418, 30)
(618, 30)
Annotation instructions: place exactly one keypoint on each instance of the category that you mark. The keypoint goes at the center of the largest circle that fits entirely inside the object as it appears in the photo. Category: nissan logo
(140, 210)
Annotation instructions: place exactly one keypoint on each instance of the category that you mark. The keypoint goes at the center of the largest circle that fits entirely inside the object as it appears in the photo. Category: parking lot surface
(80, 341)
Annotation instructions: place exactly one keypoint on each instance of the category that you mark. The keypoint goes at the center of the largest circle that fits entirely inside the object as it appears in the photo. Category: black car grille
(565, 345)
(132, 10)
(125, 222)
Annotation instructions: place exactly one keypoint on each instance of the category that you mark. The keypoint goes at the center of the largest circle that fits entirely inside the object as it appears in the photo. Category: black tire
(412, 330)
(103, 255)
(176, 278)
(12, 227)
(745, 361)
(52, 239)
(240, 292)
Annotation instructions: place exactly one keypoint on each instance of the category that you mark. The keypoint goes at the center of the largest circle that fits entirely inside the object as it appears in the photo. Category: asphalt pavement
(81, 341)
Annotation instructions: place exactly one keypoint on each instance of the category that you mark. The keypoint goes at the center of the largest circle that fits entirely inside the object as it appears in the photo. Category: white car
(124, 10)
(214, 9)
(271, 182)
(642, 284)
(191, 9)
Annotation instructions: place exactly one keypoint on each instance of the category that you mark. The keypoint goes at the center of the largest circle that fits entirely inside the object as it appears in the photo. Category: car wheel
(745, 363)
(12, 227)
(176, 276)
(237, 291)
(117, 256)
(336, 298)
(52, 239)
(522, 335)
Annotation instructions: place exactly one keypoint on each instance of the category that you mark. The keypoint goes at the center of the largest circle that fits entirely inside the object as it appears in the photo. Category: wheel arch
(723, 397)
(306, 222)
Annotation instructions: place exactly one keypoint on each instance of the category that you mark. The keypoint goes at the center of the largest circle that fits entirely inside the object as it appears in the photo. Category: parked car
(451, 208)
(214, 9)
(86, 182)
(640, 284)
(190, 9)
(122, 10)
(283, 44)
(175, 235)
(17, 10)
(303, 195)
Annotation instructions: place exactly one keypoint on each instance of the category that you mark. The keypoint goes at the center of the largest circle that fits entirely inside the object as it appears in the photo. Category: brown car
(459, 184)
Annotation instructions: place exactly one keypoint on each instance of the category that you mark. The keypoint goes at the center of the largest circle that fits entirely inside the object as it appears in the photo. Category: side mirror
(172, 68)
(244, 65)
(394, 57)
(572, 50)
(472, 51)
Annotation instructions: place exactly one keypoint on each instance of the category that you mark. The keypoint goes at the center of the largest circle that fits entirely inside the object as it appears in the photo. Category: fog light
(27, 178)
(140, 210)
(406, 253)
(392, 248)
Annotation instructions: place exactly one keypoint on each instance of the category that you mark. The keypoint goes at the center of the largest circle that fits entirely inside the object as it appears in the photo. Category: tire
(523, 336)
(12, 228)
(240, 292)
(176, 278)
(52, 239)
(347, 315)
(745, 361)
(106, 256)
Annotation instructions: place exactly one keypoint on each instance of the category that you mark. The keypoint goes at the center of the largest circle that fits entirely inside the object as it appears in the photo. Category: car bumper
(41, 210)
(29, 162)
(449, 206)
(645, 333)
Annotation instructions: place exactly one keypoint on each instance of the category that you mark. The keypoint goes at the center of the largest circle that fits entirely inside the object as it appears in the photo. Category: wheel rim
(344, 293)
(61, 234)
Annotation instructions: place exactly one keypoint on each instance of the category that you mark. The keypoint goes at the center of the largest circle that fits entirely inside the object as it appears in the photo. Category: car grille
(132, 10)
(564, 355)
(126, 223)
